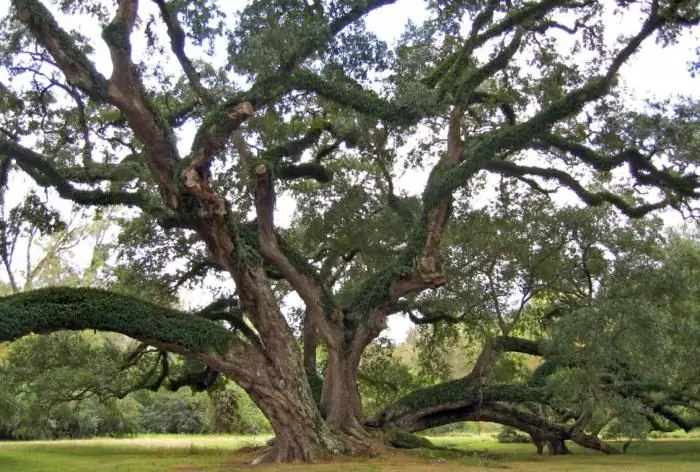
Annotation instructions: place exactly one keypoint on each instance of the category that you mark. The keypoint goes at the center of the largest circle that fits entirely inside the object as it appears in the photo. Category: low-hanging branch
(62, 308)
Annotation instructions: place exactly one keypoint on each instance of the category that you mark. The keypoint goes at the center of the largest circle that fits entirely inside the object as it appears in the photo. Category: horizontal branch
(39, 168)
(411, 411)
(568, 181)
(357, 98)
(306, 170)
(61, 308)
(640, 166)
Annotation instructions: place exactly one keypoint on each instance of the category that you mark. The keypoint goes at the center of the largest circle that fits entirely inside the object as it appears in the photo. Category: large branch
(323, 35)
(211, 137)
(223, 120)
(463, 400)
(306, 284)
(358, 99)
(39, 168)
(76, 66)
(61, 308)
(565, 179)
(640, 166)
(399, 279)
(177, 43)
(414, 411)
(477, 37)
(124, 90)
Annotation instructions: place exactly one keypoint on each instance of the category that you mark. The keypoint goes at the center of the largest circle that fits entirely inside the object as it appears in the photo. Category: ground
(215, 453)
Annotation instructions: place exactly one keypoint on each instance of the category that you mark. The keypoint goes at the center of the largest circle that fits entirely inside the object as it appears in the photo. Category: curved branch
(177, 44)
(591, 198)
(640, 166)
(39, 168)
(356, 98)
(62, 308)
(78, 69)
(305, 283)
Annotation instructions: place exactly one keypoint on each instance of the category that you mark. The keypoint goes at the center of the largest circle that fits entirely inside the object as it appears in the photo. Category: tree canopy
(200, 123)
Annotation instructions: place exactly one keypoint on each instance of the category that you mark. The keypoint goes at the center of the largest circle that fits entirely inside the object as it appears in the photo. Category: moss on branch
(63, 308)
(463, 391)
(43, 172)
(357, 98)
(79, 70)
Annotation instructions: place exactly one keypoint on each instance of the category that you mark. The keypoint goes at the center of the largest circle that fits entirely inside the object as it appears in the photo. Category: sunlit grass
(223, 453)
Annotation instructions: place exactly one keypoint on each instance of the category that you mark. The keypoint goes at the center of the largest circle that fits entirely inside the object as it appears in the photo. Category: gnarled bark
(279, 389)
(485, 405)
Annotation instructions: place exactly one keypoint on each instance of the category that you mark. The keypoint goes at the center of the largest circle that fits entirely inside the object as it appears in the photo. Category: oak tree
(203, 119)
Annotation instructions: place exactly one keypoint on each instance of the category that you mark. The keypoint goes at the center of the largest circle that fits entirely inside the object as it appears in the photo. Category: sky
(655, 72)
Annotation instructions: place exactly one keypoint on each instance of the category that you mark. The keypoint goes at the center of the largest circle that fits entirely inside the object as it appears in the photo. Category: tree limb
(591, 198)
(76, 66)
(304, 283)
(39, 168)
(177, 43)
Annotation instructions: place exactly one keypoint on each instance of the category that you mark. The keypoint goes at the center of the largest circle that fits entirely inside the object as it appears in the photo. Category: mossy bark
(463, 400)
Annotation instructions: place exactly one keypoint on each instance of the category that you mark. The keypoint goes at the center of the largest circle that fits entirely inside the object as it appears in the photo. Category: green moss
(405, 440)
(57, 308)
(464, 391)
(116, 35)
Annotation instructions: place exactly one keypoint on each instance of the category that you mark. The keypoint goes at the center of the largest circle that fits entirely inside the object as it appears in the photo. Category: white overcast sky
(655, 72)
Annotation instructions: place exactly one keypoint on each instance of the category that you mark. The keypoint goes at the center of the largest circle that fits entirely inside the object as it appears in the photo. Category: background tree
(283, 111)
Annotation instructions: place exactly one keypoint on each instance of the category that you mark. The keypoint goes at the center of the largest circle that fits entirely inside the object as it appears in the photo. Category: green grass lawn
(223, 453)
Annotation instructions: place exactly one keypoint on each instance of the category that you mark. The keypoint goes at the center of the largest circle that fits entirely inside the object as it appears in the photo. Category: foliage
(512, 436)
(49, 391)
(210, 122)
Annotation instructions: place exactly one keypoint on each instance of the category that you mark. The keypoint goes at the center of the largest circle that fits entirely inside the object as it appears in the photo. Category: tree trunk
(556, 446)
(300, 432)
(341, 404)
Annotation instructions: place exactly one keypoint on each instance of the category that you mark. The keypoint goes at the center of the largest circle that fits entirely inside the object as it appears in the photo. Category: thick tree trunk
(283, 394)
(300, 432)
(341, 404)
(557, 446)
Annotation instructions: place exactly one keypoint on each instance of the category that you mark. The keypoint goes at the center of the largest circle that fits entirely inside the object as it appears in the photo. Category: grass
(224, 453)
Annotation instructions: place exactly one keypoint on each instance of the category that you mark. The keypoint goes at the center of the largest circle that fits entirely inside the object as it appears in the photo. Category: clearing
(217, 453)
